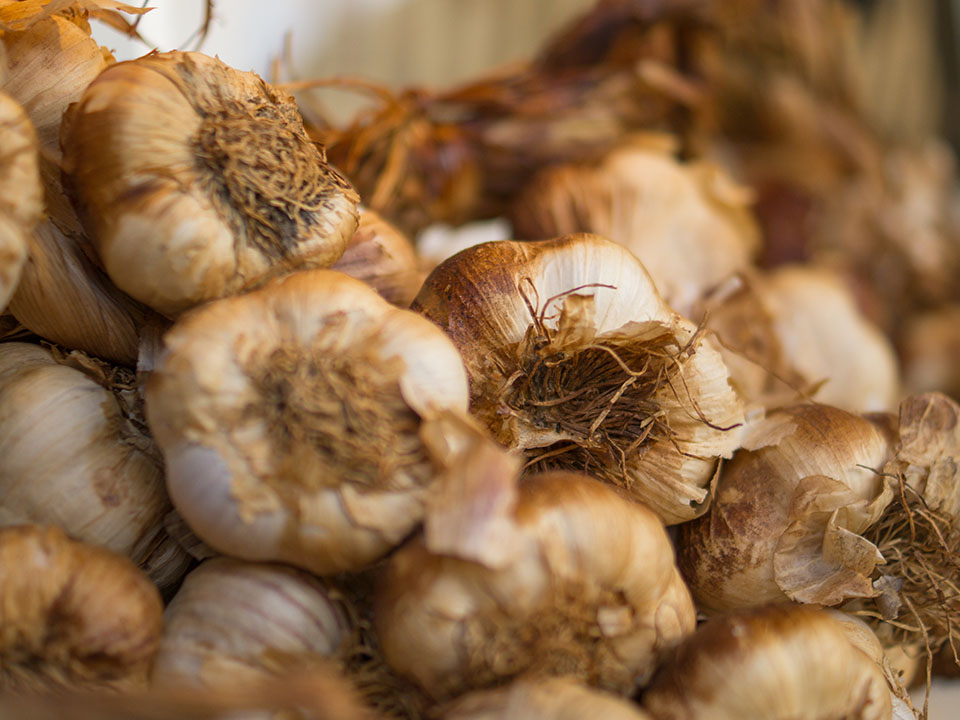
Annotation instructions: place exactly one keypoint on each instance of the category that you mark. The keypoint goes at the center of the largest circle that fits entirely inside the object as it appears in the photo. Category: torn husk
(589, 589)
(575, 360)
(242, 195)
(72, 615)
(290, 420)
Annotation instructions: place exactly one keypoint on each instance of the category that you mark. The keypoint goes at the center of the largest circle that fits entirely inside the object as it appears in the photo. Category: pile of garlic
(256, 458)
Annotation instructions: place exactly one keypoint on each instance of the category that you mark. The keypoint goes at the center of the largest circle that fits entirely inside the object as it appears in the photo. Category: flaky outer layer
(488, 297)
(576, 541)
(224, 474)
(689, 225)
(72, 614)
(72, 458)
(234, 620)
(776, 663)
(239, 196)
(798, 467)
(547, 698)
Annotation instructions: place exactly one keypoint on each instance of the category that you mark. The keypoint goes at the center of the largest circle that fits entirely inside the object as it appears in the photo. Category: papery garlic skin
(590, 589)
(72, 458)
(240, 194)
(71, 614)
(543, 698)
(690, 225)
(776, 663)
(515, 308)
(21, 196)
(807, 475)
(265, 458)
(383, 257)
(232, 620)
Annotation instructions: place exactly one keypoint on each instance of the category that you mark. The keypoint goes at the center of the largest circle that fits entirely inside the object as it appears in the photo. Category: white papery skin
(234, 621)
(568, 531)
(546, 698)
(224, 474)
(482, 297)
(70, 457)
(776, 663)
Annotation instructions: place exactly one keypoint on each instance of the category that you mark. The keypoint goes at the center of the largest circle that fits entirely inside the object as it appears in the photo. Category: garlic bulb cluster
(787, 513)
(290, 420)
(797, 330)
(544, 698)
(196, 181)
(690, 225)
(72, 614)
(587, 586)
(21, 196)
(234, 621)
(575, 360)
(776, 663)
(382, 257)
(76, 456)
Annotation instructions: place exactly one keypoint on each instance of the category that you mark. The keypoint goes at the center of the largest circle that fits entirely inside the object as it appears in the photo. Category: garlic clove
(382, 257)
(542, 698)
(690, 225)
(289, 419)
(589, 590)
(75, 456)
(72, 615)
(575, 360)
(767, 534)
(777, 662)
(241, 195)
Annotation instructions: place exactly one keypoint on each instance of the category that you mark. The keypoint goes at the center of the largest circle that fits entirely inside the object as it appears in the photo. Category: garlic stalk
(234, 621)
(290, 420)
(75, 455)
(72, 614)
(575, 360)
(582, 583)
(787, 513)
(546, 698)
(690, 225)
(776, 663)
(382, 257)
(21, 196)
(196, 181)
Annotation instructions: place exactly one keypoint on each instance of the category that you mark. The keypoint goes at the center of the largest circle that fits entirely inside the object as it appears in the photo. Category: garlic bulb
(546, 698)
(575, 359)
(587, 587)
(797, 330)
(787, 514)
(75, 455)
(382, 257)
(72, 614)
(776, 663)
(21, 196)
(930, 345)
(690, 225)
(197, 181)
(290, 420)
(233, 620)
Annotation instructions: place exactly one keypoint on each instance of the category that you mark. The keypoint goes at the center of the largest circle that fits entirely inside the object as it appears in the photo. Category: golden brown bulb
(72, 614)
(196, 181)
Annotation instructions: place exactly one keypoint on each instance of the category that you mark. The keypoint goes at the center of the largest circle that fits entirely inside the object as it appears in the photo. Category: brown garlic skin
(589, 588)
(382, 257)
(576, 360)
(72, 615)
(74, 456)
(776, 663)
(241, 194)
(233, 620)
(773, 505)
